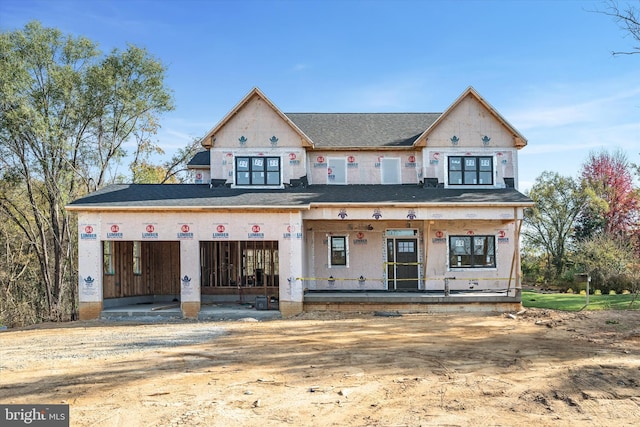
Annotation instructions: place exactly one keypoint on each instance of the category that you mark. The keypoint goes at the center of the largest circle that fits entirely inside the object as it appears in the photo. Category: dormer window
(470, 170)
(258, 171)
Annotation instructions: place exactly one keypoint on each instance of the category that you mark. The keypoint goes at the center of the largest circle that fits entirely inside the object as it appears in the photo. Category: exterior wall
(470, 121)
(470, 129)
(200, 176)
(367, 243)
(189, 228)
(257, 130)
(365, 253)
(189, 278)
(89, 266)
(292, 161)
(435, 162)
(500, 278)
(363, 167)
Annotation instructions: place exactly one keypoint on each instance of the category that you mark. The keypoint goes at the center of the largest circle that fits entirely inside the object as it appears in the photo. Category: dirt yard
(540, 368)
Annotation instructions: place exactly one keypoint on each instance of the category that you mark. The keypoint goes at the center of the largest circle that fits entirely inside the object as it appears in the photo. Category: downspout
(516, 251)
(426, 253)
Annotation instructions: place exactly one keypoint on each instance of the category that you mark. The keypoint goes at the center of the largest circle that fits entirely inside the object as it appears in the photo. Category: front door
(402, 264)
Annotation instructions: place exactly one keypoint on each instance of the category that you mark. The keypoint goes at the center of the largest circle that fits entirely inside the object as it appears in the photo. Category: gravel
(113, 340)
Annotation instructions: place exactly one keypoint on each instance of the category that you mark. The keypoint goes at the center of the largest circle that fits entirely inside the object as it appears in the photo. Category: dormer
(200, 167)
(471, 146)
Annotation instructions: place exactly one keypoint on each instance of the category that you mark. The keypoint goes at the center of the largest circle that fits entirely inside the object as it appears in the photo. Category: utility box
(262, 303)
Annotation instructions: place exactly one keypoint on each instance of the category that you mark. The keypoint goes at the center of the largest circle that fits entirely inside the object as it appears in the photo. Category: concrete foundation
(89, 310)
(291, 308)
(364, 307)
(190, 310)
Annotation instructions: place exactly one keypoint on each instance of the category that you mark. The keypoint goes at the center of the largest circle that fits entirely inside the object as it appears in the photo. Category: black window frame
(252, 171)
(469, 256)
(467, 172)
(335, 258)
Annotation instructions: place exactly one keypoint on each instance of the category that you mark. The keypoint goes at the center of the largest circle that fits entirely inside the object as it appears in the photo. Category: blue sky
(546, 66)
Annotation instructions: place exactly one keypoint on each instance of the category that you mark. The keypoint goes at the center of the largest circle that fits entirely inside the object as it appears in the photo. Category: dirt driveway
(539, 368)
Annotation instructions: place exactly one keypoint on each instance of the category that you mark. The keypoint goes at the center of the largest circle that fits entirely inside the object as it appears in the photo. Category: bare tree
(628, 19)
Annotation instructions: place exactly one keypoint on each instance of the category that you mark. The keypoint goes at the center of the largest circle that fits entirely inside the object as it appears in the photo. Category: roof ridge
(379, 112)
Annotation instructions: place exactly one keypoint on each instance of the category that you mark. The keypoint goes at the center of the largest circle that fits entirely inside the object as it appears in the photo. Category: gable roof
(364, 130)
(519, 140)
(350, 130)
(255, 92)
(201, 197)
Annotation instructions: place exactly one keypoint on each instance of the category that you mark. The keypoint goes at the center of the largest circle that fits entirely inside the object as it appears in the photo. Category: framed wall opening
(141, 268)
(226, 266)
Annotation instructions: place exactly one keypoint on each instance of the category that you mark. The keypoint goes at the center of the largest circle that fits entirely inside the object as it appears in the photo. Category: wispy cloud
(552, 112)
(578, 118)
(397, 93)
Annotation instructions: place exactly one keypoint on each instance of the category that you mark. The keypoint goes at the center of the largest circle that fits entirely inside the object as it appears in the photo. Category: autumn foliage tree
(610, 178)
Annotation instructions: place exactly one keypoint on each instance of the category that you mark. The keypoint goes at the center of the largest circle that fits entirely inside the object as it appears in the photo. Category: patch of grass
(573, 302)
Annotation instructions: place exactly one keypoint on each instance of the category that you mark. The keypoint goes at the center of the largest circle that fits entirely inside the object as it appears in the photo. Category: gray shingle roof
(177, 195)
(201, 158)
(363, 129)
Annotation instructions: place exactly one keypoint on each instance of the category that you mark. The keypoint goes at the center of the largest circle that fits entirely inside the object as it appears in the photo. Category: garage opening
(229, 265)
(140, 268)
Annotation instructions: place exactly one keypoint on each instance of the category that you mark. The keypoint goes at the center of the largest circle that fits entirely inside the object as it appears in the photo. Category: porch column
(190, 278)
(89, 268)
(292, 257)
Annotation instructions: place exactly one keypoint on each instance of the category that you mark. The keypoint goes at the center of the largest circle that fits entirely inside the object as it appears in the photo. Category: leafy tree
(170, 171)
(604, 257)
(549, 224)
(617, 212)
(65, 112)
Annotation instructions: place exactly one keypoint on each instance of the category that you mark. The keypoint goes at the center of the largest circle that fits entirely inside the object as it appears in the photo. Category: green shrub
(606, 259)
(618, 283)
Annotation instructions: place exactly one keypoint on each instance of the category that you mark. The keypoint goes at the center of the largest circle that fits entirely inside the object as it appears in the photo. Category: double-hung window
(472, 251)
(470, 170)
(257, 170)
